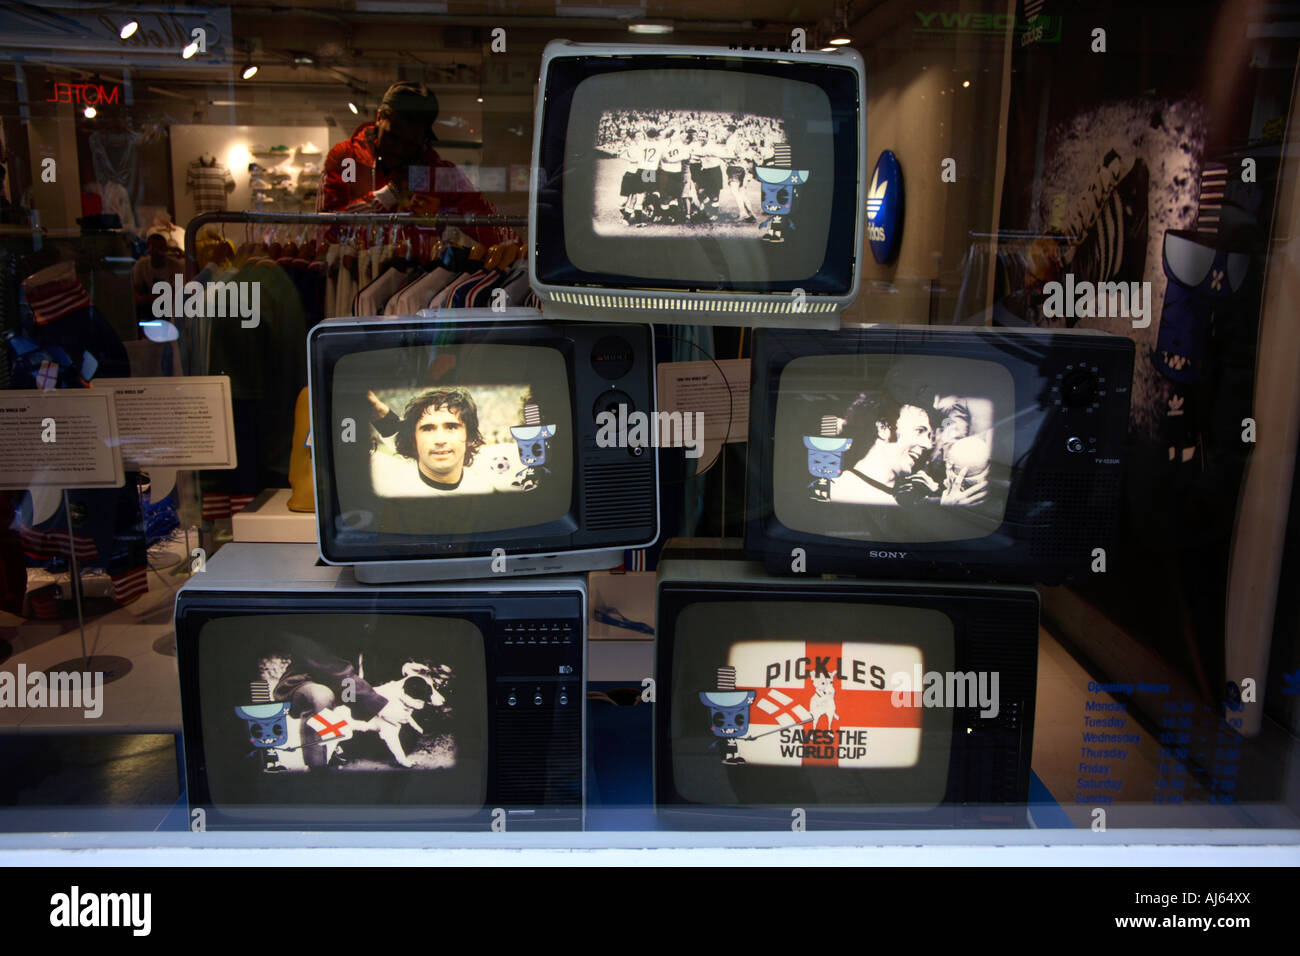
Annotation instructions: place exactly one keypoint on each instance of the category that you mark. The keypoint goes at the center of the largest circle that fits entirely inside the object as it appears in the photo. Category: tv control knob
(537, 699)
(1079, 387)
(564, 700)
(512, 700)
(1074, 444)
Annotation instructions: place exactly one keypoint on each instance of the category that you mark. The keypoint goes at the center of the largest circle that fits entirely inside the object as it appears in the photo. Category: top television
(726, 185)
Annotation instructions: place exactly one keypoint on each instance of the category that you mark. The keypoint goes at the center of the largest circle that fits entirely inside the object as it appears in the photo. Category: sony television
(698, 185)
(470, 447)
(919, 452)
(310, 701)
(787, 703)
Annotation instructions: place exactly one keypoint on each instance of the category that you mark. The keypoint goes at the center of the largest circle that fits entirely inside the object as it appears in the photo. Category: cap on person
(413, 101)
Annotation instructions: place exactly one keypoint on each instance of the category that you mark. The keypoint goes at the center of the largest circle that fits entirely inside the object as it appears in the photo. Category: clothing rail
(333, 219)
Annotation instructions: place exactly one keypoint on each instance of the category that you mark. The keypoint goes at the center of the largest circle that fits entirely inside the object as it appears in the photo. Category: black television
(800, 703)
(698, 184)
(310, 701)
(471, 447)
(919, 452)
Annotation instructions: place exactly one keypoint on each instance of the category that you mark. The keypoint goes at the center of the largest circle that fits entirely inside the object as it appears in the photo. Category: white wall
(232, 146)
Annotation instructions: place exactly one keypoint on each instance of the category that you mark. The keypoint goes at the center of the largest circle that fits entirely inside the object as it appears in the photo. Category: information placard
(174, 422)
(60, 438)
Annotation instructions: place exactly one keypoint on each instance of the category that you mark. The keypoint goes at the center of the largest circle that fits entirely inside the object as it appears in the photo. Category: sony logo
(888, 554)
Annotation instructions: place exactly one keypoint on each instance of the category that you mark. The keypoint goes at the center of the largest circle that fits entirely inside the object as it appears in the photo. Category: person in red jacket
(390, 165)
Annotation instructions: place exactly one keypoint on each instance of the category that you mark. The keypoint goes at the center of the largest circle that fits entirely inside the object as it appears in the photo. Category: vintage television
(973, 453)
(694, 184)
(858, 704)
(469, 447)
(310, 701)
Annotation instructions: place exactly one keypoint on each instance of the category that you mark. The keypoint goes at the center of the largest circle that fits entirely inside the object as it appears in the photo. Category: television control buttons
(610, 401)
(563, 698)
(512, 700)
(537, 698)
(1079, 387)
(1074, 444)
(547, 633)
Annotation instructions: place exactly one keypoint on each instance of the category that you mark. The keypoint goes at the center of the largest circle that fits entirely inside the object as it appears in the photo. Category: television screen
(703, 175)
(893, 447)
(344, 710)
(311, 700)
(922, 452)
(465, 439)
(470, 446)
(839, 703)
(752, 690)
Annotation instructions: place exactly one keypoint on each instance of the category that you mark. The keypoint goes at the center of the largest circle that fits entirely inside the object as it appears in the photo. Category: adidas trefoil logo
(875, 199)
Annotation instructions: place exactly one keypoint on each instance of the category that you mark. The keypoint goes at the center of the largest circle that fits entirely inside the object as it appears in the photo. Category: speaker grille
(541, 755)
(1072, 515)
(619, 494)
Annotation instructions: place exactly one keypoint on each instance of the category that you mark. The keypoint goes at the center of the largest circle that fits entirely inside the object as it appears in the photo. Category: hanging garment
(332, 280)
(373, 298)
(419, 293)
(115, 201)
(210, 182)
(114, 156)
(347, 287)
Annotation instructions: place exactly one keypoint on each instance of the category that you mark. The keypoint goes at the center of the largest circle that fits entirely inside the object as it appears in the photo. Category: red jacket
(370, 191)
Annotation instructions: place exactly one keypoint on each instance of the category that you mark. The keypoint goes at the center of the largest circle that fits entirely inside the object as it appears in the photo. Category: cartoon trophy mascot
(729, 712)
(780, 189)
(530, 437)
(825, 457)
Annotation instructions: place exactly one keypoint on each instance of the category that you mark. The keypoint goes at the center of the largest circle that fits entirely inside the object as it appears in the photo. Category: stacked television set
(424, 667)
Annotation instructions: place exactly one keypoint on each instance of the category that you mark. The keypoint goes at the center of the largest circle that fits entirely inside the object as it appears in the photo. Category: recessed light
(965, 83)
(128, 29)
(250, 71)
(89, 112)
(190, 49)
(840, 41)
(353, 107)
(480, 99)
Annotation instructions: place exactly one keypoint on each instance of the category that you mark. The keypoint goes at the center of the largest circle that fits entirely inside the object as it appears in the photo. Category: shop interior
(198, 146)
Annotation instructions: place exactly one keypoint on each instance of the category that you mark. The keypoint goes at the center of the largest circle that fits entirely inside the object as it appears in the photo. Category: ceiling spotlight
(89, 112)
(353, 107)
(190, 49)
(250, 71)
(652, 28)
(128, 29)
(965, 83)
(840, 25)
(480, 99)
